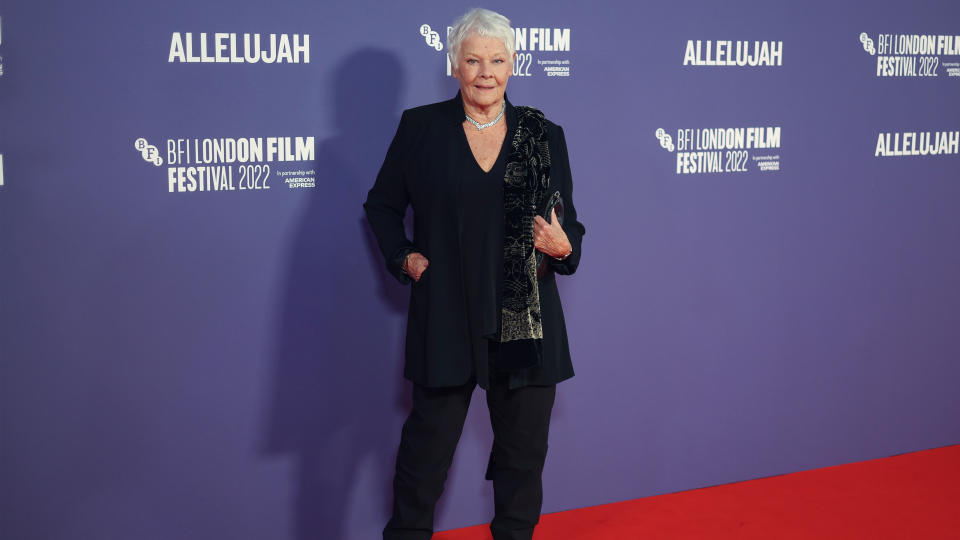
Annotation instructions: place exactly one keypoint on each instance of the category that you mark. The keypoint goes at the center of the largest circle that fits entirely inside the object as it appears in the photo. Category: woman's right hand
(414, 265)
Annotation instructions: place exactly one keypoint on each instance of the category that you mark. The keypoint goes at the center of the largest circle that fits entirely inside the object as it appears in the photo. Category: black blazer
(423, 169)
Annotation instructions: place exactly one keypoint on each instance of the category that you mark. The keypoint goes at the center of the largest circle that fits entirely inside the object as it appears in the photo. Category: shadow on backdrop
(337, 372)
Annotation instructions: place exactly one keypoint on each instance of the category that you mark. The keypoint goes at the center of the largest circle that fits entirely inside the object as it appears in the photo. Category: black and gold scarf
(526, 180)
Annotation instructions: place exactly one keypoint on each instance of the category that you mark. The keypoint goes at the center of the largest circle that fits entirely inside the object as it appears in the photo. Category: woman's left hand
(550, 237)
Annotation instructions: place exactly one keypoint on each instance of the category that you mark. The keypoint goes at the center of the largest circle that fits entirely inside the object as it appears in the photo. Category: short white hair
(482, 22)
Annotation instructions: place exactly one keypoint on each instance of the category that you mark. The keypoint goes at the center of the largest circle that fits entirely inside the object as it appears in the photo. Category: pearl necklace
(480, 126)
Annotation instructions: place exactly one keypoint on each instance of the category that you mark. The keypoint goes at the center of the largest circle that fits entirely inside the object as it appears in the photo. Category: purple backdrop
(226, 364)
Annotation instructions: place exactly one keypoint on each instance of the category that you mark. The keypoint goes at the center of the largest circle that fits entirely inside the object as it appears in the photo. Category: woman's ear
(453, 69)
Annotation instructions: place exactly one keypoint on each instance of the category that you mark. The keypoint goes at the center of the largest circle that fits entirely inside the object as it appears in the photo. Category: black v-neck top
(482, 243)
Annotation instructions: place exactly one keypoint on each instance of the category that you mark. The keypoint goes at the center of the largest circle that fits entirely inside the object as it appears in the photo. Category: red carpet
(912, 496)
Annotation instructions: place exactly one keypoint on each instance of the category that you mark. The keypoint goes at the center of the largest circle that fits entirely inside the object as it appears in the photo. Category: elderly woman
(480, 174)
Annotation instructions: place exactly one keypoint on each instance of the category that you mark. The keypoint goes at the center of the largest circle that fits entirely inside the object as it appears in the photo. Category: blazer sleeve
(387, 202)
(575, 230)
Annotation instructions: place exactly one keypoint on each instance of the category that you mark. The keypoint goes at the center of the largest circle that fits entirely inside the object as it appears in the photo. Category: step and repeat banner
(199, 339)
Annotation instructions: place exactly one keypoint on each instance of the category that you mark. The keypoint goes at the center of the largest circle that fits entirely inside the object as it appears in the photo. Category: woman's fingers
(550, 238)
(416, 263)
(422, 264)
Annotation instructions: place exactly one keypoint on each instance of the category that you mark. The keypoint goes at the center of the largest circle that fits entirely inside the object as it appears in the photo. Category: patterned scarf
(526, 180)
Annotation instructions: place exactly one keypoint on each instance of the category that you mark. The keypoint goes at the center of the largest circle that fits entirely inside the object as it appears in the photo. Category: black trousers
(520, 419)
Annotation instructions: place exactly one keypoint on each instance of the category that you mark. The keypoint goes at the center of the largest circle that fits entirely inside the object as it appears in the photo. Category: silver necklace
(480, 126)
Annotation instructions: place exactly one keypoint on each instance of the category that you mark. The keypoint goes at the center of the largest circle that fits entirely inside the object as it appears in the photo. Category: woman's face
(483, 69)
